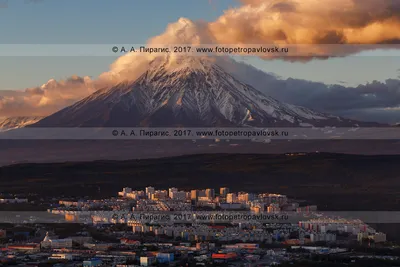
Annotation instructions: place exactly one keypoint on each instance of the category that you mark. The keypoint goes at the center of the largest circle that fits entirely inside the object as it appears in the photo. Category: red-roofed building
(25, 247)
(292, 242)
(224, 256)
(217, 227)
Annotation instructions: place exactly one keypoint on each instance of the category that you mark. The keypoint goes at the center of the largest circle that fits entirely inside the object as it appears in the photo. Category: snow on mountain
(17, 122)
(185, 91)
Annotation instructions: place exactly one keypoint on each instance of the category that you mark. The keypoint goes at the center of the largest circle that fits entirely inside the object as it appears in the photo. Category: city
(172, 227)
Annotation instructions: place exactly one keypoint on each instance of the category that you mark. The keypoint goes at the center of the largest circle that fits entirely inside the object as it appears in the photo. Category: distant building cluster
(225, 200)
(323, 226)
(13, 200)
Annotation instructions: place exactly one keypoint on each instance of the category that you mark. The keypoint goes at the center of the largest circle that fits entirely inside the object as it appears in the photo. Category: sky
(85, 22)
(127, 21)
(365, 84)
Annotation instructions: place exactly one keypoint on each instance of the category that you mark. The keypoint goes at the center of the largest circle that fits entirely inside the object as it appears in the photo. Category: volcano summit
(188, 92)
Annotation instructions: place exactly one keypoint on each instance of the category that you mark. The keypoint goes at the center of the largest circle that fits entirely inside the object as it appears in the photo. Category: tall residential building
(171, 191)
(179, 195)
(149, 190)
(231, 198)
(274, 198)
(194, 194)
(223, 191)
(245, 197)
(210, 193)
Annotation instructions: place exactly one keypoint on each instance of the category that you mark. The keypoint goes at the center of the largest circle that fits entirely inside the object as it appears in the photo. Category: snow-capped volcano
(17, 122)
(185, 91)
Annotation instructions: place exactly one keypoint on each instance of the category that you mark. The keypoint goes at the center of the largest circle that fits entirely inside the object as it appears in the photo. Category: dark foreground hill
(333, 181)
(44, 151)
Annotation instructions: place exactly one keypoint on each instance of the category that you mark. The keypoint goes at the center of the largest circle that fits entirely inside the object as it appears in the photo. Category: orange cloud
(45, 99)
(310, 22)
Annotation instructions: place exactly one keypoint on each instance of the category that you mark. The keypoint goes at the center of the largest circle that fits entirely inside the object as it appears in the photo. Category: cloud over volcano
(320, 27)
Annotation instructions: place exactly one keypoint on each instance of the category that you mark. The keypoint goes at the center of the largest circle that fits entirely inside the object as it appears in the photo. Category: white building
(55, 243)
(378, 237)
(315, 237)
